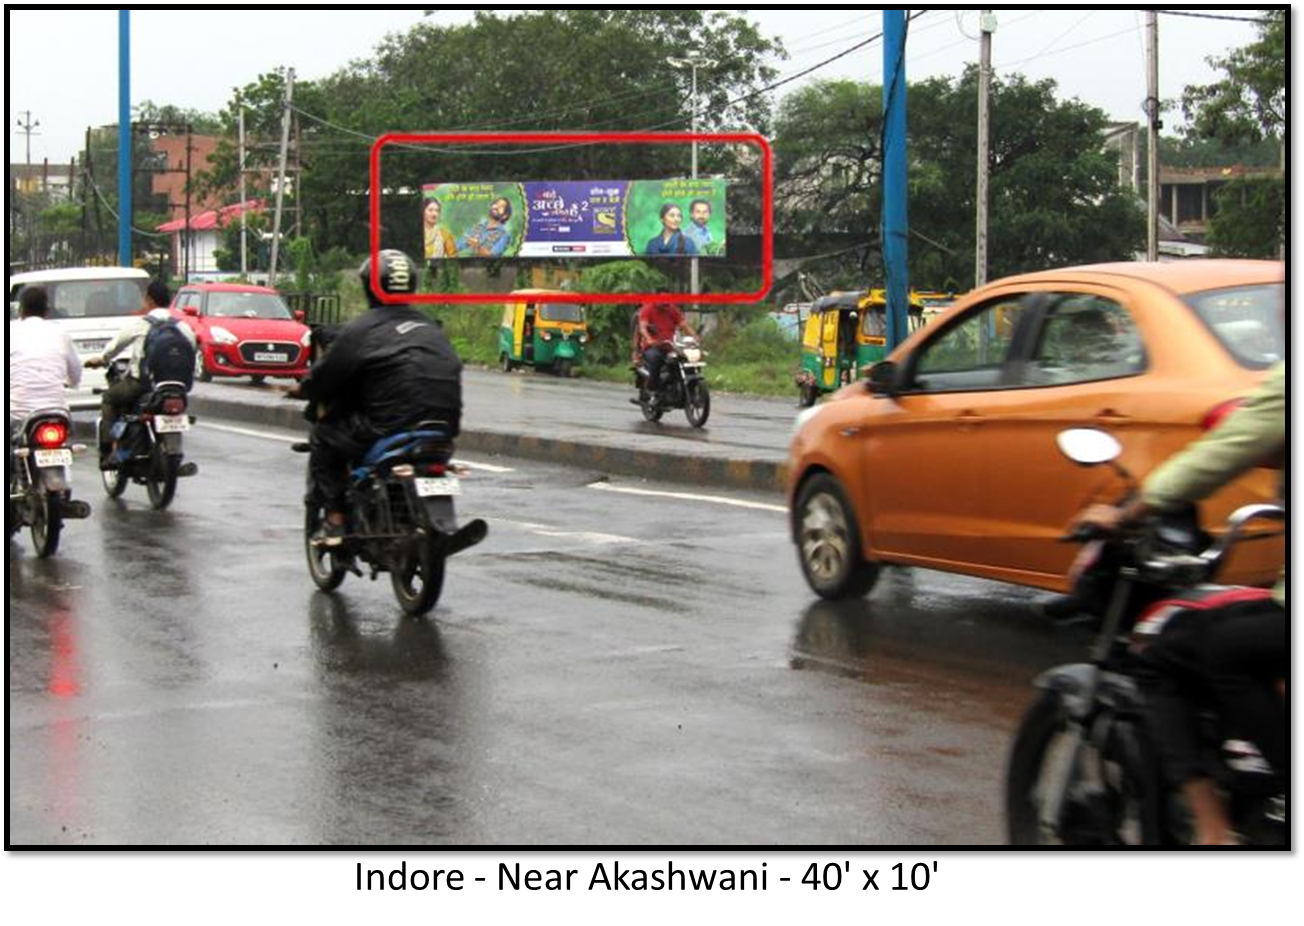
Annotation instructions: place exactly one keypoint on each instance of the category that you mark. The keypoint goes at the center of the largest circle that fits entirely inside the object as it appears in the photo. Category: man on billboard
(490, 237)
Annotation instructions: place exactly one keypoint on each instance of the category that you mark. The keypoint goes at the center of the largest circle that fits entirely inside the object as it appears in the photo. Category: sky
(194, 58)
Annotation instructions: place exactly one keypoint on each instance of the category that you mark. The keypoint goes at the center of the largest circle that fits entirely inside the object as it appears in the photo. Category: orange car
(946, 456)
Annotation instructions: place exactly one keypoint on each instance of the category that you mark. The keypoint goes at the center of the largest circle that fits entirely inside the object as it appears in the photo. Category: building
(1187, 194)
(54, 180)
(170, 172)
(204, 237)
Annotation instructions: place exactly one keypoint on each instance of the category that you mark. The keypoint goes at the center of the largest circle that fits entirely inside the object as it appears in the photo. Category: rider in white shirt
(42, 359)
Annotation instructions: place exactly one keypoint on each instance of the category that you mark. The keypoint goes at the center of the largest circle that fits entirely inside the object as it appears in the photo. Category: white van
(91, 304)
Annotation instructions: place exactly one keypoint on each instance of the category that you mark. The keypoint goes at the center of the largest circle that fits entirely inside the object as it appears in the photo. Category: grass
(748, 357)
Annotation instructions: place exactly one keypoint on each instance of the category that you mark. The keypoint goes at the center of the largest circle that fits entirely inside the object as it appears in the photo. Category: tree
(1248, 105)
(556, 69)
(1053, 195)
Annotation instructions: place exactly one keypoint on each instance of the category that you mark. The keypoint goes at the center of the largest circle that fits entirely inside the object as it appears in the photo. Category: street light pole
(694, 60)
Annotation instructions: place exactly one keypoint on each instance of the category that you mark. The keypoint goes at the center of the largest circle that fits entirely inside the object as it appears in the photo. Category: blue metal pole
(124, 137)
(895, 228)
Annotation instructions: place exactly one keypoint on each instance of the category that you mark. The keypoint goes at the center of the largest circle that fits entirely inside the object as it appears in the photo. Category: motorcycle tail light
(174, 405)
(1218, 414)
(50, 434)
(436, 469)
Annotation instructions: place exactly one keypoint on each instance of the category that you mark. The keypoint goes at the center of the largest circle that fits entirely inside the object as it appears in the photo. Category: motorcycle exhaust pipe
(74, 510)
(468, 536)
(188, 469)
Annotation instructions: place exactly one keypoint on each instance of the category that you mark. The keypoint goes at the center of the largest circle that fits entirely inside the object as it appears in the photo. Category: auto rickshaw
(544, 335)
(844, 334)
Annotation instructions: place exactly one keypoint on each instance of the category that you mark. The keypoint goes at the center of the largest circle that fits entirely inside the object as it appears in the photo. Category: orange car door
(927, 453)
(1084, 366)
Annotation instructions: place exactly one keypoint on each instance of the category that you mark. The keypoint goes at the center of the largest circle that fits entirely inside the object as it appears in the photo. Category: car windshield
(93, 298)
(561, 312)
(246, 305)
(1247, 320)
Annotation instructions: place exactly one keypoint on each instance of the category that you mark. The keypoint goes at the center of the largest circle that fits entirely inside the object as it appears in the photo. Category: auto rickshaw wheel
(808, 395)
(564, 367)
(505, 362)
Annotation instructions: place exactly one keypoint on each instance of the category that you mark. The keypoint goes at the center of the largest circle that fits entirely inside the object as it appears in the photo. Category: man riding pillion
(1237, 650)
(384, 372)
(121, 397)
(658, 323)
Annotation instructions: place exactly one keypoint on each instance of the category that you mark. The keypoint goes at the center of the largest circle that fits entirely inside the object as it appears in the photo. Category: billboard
(574, 218)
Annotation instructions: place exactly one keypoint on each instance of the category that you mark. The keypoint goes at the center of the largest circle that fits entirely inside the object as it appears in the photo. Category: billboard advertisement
(574, 218)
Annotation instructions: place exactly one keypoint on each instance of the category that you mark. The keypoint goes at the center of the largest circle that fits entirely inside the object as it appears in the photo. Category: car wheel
(828, 541)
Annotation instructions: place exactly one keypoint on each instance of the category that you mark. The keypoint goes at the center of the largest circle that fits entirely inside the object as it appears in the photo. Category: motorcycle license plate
(53, 457)
(445, 485)
(171, 424)
(264, 357)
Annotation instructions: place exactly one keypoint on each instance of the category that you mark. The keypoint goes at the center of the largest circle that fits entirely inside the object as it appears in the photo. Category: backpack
(169, 357)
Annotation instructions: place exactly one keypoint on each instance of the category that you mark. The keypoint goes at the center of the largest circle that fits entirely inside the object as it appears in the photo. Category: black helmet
(398, 274)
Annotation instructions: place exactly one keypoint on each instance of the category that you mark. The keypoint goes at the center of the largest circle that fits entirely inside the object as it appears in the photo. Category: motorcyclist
(1237, 650)
(384, 372)
(42, 358)
(658, 323)
(121, 397)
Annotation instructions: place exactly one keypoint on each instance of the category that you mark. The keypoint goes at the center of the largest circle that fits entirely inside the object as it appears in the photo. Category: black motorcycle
(400, 516)
(1083, 769)
(39, 480)
(682, 384)
(147, 442)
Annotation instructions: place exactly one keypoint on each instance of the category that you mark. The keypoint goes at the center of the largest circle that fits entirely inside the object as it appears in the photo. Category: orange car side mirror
(883, 379)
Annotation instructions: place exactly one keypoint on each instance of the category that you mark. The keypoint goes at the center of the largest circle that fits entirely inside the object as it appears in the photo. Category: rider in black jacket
(384, 372)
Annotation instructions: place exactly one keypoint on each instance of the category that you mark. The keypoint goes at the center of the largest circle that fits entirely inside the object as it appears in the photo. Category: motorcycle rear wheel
(47, 524)
(651, 412)
(418, 576)
(161, 483)
(323, 566)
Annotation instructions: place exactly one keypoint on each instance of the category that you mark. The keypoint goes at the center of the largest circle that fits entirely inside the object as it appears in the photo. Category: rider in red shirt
(657, 324)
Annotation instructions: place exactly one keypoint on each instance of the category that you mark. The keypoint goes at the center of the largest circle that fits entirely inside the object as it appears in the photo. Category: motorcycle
(1084, 769)
(40, 480)
(147, 441)
(401, 518)
(682, 384)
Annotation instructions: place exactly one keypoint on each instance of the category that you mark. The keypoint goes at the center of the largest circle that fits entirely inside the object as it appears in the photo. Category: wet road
(607, 668)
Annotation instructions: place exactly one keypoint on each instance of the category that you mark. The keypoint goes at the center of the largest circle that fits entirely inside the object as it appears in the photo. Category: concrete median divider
(764, 475)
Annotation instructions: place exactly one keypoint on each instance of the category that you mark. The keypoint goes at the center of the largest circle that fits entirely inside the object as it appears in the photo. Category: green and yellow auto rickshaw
(544, 335)
(843, 335)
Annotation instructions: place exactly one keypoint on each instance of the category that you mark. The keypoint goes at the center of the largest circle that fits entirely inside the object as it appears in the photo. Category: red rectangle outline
(520, 138)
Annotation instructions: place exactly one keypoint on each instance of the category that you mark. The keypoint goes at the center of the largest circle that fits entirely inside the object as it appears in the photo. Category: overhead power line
(1218, 16)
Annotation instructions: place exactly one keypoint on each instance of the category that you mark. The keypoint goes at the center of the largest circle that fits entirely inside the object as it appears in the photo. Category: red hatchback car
(243, 330)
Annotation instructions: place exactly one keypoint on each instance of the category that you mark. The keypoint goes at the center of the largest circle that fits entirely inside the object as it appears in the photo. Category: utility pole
(244, 228)
(124, 138)
(1152, 136)
(987, 25)
(280, 175)
(693, 61)
(27, 126)
(186, 240)
(895, 228)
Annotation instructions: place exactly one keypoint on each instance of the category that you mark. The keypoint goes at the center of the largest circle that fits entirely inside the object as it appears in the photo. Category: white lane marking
(689, 497)
(545, 530)
(268, 435)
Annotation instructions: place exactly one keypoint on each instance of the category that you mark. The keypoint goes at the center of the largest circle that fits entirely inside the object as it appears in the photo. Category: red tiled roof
(214, 218)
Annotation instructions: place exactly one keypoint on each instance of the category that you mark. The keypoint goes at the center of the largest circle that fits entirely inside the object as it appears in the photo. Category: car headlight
(306, 339)
(805, 415)
(222, 336)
